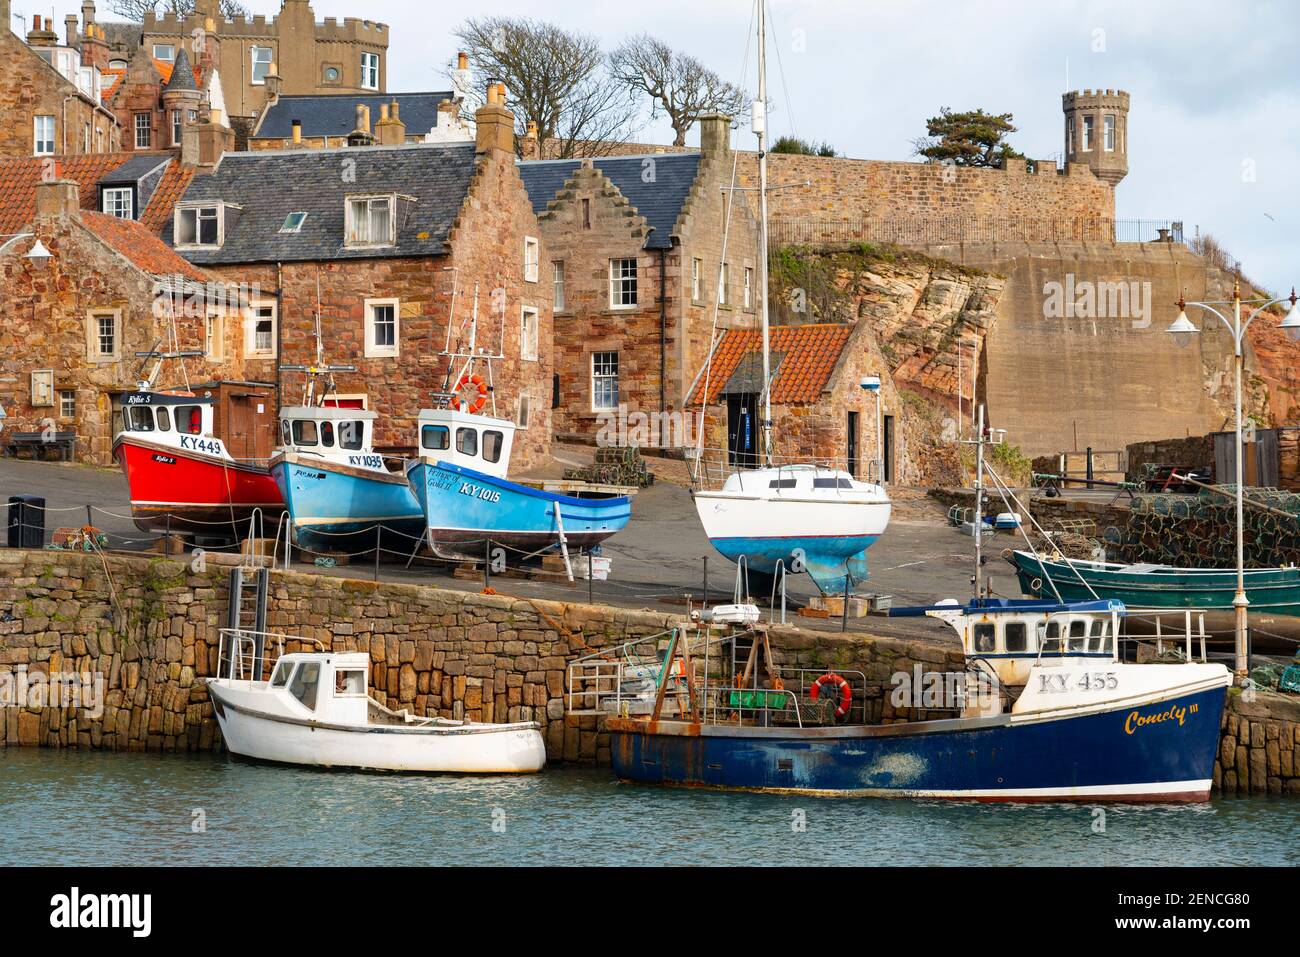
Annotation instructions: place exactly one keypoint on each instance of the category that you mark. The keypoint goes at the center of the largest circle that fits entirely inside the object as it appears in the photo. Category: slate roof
(659, 201)
(182, 74)
(335, 114)
(804, 358)
(19, 178)
(269, 185)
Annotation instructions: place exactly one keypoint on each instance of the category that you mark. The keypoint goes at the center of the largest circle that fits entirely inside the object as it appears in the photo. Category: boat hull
(1271, 590)
(465, 509)
(827, 538)
(179, 491)
(1111, 755)
(467, 749)
(336, 507)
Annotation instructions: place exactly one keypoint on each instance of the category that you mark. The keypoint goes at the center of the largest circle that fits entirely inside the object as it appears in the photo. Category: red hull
(195, 493)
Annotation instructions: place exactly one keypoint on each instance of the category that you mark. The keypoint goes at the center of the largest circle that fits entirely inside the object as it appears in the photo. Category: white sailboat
(797, 517)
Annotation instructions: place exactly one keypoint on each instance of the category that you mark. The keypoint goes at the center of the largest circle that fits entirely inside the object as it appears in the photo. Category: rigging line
(780, 67)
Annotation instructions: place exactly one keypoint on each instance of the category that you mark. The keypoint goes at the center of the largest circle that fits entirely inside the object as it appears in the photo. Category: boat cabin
(795, 479)
(171, 418)
(470, 441)
(344, 435)
(324, 686)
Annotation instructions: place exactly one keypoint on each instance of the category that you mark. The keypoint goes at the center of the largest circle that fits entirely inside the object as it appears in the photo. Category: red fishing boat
(181, 476)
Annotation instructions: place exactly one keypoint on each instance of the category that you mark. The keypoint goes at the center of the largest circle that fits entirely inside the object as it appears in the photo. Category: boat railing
(712, 467)
(761, 706)
(1186, 643)
(240, 651)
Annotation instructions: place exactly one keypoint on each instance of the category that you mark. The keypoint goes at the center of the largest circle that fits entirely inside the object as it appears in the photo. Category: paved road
(656, 560)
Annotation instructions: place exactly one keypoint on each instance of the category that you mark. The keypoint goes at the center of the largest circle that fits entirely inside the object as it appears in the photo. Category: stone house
(74, 321)
(390, 251)
(820, 411)
(50, 97)
(634, 246)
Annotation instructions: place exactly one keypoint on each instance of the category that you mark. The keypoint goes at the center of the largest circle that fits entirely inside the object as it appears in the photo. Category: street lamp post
(1183, 329)
(871, 383)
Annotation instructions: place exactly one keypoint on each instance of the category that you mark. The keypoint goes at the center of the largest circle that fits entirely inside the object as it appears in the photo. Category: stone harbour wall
(148, 629)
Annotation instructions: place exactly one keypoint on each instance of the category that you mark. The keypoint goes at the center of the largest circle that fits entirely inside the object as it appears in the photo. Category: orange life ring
(845, 691)
(479, 402)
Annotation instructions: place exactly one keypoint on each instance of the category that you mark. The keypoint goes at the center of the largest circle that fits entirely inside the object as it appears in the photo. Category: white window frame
(604, 377)
(1069, 135)
(1109, 133)
(38, 140)
(697, 267)
(198, 209)
(616, 281)
(93, 351)
(373, 350)
(532, 258)
(557, 284)
(178, 127)
(528, 334)
(65, 396)
(253, 51)
(214, 335)
(1086, 145)
(146, 128)
(525, 411)
(256, 315)
(749, 287)
(298, 223)
(369, 71)
(349, 217)
(171, 56)
(111, 202)
(42, 386)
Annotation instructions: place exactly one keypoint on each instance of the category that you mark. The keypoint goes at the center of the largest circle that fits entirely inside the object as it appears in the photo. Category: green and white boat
(1270, 590)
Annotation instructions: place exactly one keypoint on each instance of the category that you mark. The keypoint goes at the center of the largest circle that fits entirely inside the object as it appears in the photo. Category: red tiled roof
(19, 178)
(810, 355)
(112, 80)
(143, 248)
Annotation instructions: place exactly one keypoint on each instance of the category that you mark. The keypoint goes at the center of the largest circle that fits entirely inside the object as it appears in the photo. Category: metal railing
(946, 230)
(239, 650)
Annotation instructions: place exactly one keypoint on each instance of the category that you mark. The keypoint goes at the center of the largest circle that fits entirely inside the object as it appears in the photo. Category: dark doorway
(888, 452)
(853, 444)
(742, 429)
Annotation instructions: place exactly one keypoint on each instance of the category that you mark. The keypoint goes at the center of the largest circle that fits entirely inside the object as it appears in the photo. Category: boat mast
(759, 123)
(979, 506)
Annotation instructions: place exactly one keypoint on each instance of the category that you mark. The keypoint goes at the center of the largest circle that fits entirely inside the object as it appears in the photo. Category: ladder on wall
(249, 588)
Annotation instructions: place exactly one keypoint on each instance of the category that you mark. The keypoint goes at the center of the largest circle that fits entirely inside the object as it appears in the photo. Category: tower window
(1108, 132)
(1088, 122)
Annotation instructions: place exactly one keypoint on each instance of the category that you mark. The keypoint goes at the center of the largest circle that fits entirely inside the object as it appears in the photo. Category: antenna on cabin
(983, 436)
(147, 382)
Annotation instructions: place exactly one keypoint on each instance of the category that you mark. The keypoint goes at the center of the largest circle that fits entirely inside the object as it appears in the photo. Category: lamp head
(38, 255)
(871, 383)
(1291, 323)
(1182, 328)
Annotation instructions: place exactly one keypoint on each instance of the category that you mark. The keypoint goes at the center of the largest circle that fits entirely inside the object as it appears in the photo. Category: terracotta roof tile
(809, 357)
(143, 248)
(19, 178)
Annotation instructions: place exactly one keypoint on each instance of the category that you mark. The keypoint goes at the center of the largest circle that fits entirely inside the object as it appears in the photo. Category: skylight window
(293, 223)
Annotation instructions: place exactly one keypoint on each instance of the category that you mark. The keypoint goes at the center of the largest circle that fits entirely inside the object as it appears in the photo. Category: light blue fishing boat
(339, 492)
(467, 502)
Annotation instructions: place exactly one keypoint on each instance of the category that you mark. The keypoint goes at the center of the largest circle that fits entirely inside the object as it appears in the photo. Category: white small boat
(316, 710)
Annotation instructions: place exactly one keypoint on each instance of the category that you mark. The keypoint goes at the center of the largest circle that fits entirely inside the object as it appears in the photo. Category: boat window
(304, 432)
(351, 435)
(435, 437)
(492, 443)
(467, 441)
(164, 419)
(140, 418)
(281, 676)
(832, 483)
(327, 434)
(305, 680)
(985, 637)
(284, 432)
(1097, 636)
(1078, 632)
(781, 483)
(1049, 634)
(349, 682)
(189, 419)
(1015, 636)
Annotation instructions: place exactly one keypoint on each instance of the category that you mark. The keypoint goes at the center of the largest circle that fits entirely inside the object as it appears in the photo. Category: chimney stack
(532, 147)
(390, 130)
(495, 123)
(715, 135)
(94, 48)
(272, 80)
(70, 29)
(56, 198)
(42, 37)
(361, 136)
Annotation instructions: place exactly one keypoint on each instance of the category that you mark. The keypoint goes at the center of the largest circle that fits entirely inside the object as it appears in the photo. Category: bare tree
(556, 79)
(679, 86)
(135, 10)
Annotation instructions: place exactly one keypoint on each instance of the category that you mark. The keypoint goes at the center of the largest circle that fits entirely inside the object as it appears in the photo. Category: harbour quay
(144, 632)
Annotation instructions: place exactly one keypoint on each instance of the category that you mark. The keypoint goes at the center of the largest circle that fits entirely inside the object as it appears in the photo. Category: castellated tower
(1096, 132)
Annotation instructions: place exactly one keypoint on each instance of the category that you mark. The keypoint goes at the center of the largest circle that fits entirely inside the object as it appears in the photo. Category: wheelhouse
(159, 415)
(471, 441)
(801, 480)
(326, 431)
(326, 686)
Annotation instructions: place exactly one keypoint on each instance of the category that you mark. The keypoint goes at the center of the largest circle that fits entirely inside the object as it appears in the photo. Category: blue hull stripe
(1105, 752)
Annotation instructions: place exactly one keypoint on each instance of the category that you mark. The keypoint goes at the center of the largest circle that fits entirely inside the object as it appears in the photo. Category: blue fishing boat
(340, 494)
(1046, 710)
(460, 484)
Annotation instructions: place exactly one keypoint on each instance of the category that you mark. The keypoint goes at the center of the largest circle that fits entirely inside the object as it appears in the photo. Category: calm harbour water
(91, 808)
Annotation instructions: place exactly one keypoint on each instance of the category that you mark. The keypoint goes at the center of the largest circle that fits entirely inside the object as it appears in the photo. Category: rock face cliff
(930, 319)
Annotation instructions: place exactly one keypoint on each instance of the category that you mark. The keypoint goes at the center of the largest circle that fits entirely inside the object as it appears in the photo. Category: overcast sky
(1214, 126)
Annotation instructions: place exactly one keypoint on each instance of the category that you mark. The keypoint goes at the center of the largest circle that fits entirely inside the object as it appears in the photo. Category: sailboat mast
(979, 506)
(759, 121)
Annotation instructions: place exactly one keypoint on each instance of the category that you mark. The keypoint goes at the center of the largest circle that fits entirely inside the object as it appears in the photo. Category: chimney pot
(462, 60)
(297, 132)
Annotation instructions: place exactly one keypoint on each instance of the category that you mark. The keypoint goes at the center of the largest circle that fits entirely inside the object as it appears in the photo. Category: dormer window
(293, 223)
(370, 221)
(119, 201)
(198, 226)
